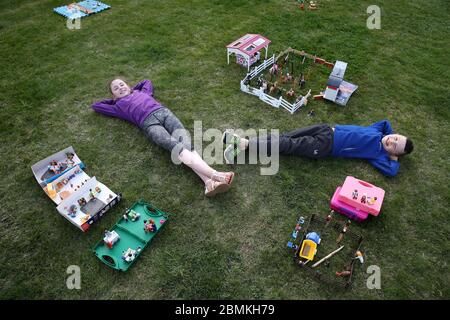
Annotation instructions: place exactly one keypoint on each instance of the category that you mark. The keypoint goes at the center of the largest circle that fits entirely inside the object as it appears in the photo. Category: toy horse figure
(274, 88)
(290, 93)
(287, 78)
(274, 69)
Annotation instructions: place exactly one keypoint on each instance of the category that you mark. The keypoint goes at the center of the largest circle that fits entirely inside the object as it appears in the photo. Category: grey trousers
(166, 130)
(312, 142)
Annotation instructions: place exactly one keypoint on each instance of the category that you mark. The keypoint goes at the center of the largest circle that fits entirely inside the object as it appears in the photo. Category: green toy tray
(132, 235)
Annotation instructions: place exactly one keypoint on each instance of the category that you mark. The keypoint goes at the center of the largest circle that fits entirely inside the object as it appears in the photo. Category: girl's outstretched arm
(145, 86)
(106, 107)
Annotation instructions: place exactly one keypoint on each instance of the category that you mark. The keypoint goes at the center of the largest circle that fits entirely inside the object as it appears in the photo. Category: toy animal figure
(274, 69)
(312, 5)
(264, 86)
(274, 88)
(290, 93)
(287, 78)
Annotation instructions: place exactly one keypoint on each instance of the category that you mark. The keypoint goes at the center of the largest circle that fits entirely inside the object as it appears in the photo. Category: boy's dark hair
(409, 146)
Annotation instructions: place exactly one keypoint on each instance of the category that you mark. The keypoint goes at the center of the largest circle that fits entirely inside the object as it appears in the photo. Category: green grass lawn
(233, 245)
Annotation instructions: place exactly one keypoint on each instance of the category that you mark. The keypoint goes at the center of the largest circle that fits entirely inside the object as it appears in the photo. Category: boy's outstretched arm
(387, 166)
(384, 126)
(145, 86)
(106, 107)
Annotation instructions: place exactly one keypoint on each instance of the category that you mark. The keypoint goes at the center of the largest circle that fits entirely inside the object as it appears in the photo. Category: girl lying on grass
(161, 126)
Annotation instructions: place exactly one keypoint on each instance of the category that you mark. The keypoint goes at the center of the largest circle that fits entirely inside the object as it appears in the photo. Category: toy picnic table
(247, 49)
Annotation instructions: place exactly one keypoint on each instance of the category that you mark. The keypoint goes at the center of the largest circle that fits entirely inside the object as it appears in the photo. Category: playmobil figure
(343, 232)
(110, 238)
(98, 190)
(302, 81)
(363, 198)
(73, 211)
(129, 255)
(371, 200)
(69, 160)
(359, 256)
(82, 202)
(54, 167)
(150, 226)
(355, 194)
(161, 126)
(376, 143)
(91, 194)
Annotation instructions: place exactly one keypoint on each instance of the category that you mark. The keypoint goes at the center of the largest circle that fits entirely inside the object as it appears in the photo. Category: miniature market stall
(247, 49)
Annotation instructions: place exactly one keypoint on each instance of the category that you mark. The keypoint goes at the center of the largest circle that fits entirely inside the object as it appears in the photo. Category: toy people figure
(82, 202)
(329, 218)
(69, 160)
(91, 194)
(343, 232)
(371, 200)
(149, 226)
(54, 167)
(302, 81)
(98, 190)
(363, 198)
(355, 194)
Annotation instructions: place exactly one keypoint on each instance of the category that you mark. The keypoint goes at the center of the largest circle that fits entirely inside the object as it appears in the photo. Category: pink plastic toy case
(343, 199)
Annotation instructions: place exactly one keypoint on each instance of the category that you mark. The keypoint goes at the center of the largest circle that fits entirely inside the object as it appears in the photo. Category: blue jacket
(365, 142)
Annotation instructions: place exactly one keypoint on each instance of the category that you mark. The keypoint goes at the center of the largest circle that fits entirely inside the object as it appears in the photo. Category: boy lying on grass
(376, 143)
(161, 126)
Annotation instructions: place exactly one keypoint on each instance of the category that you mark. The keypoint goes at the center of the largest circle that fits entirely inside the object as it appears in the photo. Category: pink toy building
(247, 49)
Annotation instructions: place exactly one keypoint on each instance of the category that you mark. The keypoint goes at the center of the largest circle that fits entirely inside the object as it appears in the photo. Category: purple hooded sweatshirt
(134, 108)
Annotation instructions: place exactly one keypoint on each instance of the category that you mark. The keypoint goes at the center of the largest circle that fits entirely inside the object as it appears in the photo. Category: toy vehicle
(309, 246)
(133, 237)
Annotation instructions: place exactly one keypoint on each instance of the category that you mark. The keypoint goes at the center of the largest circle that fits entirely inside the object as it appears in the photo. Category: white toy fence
(291, 107)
